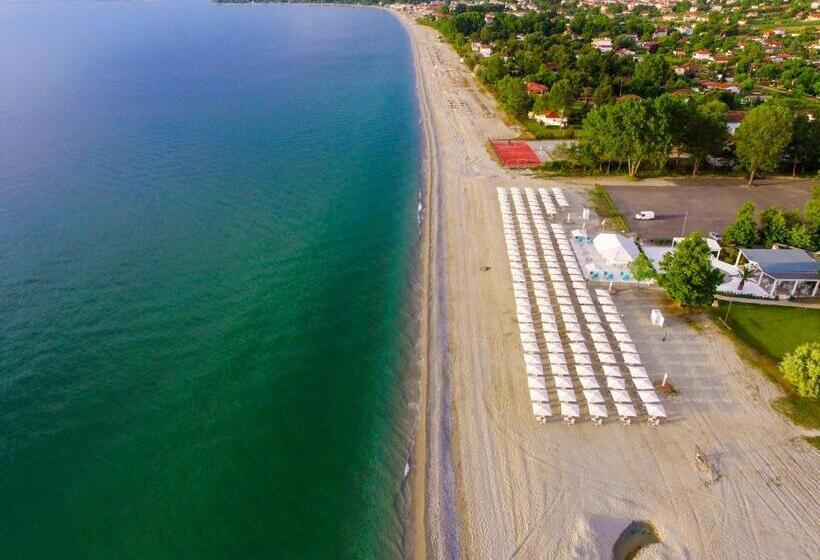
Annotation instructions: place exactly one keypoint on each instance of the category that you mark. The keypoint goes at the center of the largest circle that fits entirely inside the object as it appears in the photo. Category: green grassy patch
(605, 208)
(763, 334)
(771, 330)
(542, 132)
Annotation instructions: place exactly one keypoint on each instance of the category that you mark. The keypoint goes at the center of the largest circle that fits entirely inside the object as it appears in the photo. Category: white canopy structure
(562, 382)
(642, 384)
(593, 396)
(615, 248)
(612, 371)
(602, 347)
(632, 359)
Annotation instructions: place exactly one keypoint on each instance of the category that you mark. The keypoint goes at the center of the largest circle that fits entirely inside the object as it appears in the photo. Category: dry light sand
(489, 482)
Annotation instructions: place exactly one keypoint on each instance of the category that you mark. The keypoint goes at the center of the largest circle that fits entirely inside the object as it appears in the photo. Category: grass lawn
(605, 208)
(765, 333)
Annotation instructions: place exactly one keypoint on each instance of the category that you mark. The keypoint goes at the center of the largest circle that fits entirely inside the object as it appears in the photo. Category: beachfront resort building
(782, 272)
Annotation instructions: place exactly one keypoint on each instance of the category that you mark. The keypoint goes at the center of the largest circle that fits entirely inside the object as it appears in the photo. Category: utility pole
(683, 229)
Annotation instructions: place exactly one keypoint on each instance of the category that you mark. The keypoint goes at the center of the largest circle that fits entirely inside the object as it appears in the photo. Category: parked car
(716, 236)
(645, 215)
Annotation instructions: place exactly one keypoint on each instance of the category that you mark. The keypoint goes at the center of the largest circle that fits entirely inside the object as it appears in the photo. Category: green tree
(492, 70)
(762, 137)
(562, 96)
(687, 274)
(513, 96)
(651, 75)
(801, 368)
(603, 92)
(634, 131)
(811, 216)
(642, 268)
(743, 231)
(804, 149)
(705, 133)
(799, 236)
(773, 227)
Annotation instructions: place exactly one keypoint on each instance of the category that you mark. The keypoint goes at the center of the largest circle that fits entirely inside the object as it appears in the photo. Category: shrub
(801, 368)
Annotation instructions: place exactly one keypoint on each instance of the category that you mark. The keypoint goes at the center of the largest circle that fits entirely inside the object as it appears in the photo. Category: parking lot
(707, 204)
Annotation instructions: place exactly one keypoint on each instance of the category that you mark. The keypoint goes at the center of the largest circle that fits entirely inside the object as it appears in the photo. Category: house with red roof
(534, 88)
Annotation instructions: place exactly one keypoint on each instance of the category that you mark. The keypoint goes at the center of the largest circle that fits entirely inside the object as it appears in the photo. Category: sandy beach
(488, 481)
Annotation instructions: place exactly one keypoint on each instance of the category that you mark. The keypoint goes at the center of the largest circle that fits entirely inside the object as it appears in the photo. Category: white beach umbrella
(584, 370)
(625, 410)
(616, 383)
(566, 395)
(534, 382)
(570, 410)
(648, 397)
(637, 371)
(628, 348)
(597, 410)
(575, 337)
(623, 337)
(556, 358)
(532, 359)
(541, 410)
(632, 359)
(539, 395)
(620, 396)
(559, 369)
(534, 369)
(602, 347)
(655, 410)
(588, 382)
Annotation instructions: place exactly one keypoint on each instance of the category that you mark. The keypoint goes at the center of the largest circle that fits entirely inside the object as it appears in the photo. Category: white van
(645, 215)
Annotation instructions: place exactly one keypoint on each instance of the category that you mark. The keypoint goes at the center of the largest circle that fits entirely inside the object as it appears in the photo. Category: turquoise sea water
(207, 235)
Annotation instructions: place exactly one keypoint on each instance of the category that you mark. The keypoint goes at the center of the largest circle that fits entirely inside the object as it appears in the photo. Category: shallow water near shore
(208, 224)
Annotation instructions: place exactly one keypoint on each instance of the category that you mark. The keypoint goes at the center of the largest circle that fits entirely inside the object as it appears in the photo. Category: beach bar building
(782, 272)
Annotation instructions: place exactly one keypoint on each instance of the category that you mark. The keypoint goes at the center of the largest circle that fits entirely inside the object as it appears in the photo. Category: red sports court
(515, 153)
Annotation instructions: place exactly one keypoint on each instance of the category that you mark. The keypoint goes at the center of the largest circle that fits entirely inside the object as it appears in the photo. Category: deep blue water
(207, 232)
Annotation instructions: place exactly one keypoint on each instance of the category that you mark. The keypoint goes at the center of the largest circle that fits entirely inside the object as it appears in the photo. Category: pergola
(782, 272)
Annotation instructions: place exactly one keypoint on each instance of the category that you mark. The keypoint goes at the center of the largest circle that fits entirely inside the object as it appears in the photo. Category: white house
(548, 117)
(603, 44)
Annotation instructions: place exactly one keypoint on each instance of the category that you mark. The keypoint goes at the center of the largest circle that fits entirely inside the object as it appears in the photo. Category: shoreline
(416, 523)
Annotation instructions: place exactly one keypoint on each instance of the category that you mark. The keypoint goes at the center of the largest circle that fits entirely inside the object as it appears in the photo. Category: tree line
(646, 133)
